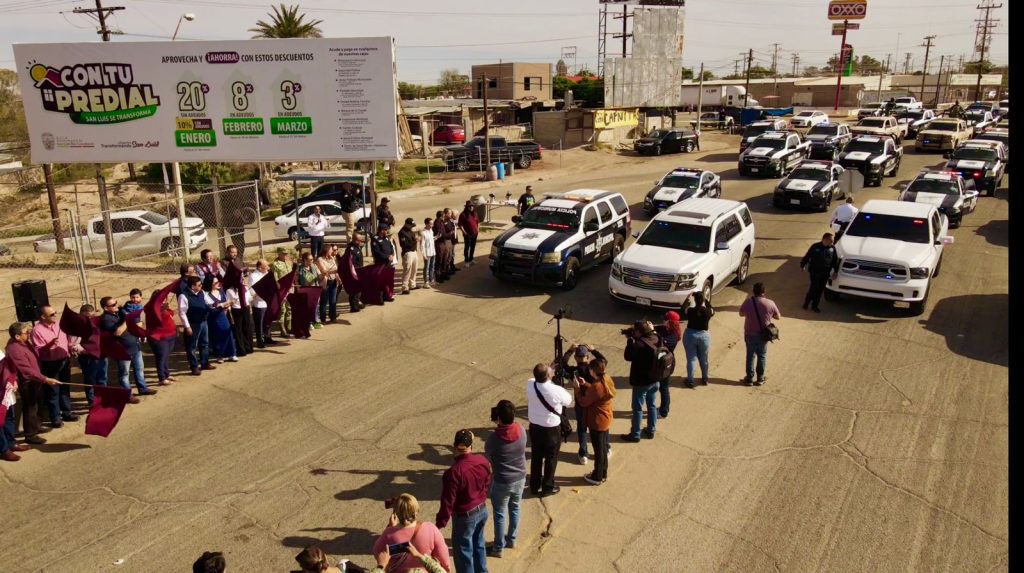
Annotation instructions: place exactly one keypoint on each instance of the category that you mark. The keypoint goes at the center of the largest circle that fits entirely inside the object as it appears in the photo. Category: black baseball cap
(410, 221)
(463, 439)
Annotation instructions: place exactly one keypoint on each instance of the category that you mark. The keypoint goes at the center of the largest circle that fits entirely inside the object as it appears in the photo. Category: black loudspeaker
(29, 297)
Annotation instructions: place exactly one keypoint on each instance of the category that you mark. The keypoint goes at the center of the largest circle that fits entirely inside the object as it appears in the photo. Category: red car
(449, 134)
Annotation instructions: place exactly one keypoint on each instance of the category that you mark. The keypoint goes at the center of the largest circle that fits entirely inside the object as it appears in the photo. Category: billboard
(847, 9)
(608, 118)
(250, 100)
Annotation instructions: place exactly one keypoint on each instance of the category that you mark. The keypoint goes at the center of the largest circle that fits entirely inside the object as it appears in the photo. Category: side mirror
(721, 246)
(947, 240)
(636, 234)
(947, 154)
(590, 227)
(147, 228)
(516, 219)
(972, 193)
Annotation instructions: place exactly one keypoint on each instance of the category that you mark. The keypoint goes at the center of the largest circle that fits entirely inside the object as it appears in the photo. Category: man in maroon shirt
(21, 357)
(464, 500)
(470, 225)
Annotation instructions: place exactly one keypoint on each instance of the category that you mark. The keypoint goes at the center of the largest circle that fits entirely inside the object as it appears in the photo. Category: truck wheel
(938, 267)
(743, 271)
(293, 235)
(917, 307)
(524, 162)
(828, 201)
(572, 267)
(689, 146)
(706, 289)
(657, 150)
(171, 247)
(462, 165)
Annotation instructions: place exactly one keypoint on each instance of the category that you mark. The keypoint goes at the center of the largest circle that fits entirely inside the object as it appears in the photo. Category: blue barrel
(501, 171)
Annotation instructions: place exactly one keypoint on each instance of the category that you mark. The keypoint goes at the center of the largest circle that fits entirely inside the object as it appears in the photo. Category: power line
(101, 14)
(985, 29)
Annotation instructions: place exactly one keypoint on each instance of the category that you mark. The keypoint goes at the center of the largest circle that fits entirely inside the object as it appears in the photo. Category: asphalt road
(879, 442)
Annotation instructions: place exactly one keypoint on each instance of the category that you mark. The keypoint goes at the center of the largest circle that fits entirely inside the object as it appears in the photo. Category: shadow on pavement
(967, 323)
(52, 448)
(996, 232)
(349, 541)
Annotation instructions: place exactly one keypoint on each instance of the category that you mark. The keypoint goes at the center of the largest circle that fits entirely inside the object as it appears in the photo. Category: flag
(233, 279)
(87, 329)
(266, 289)
(376, 280)
(348, 273)
(107, 405)
(152, 310)
(301, 315)
(132, 320)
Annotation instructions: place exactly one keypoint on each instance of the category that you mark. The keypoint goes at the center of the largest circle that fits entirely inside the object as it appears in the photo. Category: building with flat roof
(512, 81)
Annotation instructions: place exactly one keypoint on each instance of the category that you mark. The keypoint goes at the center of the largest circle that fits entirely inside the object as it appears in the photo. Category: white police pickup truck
(701, 244)
(773, 154)
(891, 251)
(559, 237)
(679, 185)
(875, 156)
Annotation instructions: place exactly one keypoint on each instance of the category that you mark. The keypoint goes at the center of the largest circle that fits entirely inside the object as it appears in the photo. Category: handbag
(770, 332)
(565, 426)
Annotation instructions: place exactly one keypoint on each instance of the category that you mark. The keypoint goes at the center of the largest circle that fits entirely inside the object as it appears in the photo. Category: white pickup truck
(132, 232)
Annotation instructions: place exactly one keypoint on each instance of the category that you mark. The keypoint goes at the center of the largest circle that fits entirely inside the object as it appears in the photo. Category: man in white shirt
(429, 251)
(545, 403)
(316, 228)
(259, 306)
(194, 306)
(843, 216)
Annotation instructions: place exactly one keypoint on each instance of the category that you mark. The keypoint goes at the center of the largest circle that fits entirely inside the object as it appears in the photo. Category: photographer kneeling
(643, 357)
(403, 528)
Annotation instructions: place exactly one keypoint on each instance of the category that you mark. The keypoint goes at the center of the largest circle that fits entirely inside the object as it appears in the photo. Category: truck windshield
(809, 174)
(681, 181)
(868, 146)
(754, 130)
(939, 186)
(905, 229)
(154, 218)
(975, 153)
(824, 130)
(551, 218)
(769, 142)
(679, 236)
(913, 115)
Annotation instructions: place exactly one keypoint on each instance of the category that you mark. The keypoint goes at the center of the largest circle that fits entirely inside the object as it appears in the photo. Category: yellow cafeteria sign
(606, 118)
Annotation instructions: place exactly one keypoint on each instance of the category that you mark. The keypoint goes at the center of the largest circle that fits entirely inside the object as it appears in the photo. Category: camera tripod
(560, 366)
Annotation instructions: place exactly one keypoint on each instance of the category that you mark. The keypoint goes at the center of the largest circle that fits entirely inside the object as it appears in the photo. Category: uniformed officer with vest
(821, 262)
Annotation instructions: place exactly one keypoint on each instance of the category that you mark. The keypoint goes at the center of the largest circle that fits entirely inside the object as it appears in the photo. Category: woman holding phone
(402, 528)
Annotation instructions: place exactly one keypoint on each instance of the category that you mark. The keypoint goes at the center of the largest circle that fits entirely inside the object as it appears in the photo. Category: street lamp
(188, 16)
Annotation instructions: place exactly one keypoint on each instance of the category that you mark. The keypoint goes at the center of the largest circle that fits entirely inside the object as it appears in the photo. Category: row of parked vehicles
(699, 241)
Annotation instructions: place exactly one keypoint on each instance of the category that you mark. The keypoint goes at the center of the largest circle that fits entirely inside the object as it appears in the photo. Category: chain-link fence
(91, 252)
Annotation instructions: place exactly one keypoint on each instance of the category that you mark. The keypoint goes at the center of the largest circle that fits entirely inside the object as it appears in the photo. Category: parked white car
(285, 225)
(700, 244)
(134, 232)
(809, 118)
(908, 102)
(891, 251)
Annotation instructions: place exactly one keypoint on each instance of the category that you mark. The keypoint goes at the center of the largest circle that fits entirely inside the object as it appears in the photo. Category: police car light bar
(816, 163)
(687, 170)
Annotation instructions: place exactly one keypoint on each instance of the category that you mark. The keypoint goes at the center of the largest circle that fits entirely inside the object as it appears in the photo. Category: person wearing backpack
(649, 362)
(758, 330)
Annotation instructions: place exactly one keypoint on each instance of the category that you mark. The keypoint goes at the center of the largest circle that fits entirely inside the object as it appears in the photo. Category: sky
(441, 34)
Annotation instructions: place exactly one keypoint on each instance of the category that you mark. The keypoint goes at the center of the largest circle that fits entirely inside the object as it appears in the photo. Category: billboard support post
(179, 197)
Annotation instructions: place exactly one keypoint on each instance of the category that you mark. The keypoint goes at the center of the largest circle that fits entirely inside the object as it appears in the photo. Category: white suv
(891, 251)
(700, 244)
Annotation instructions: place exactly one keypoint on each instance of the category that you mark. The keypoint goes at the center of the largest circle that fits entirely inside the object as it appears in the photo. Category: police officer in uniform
(821, 262)
(843, 216)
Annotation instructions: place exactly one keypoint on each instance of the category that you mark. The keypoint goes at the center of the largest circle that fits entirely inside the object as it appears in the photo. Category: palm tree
(286, 22)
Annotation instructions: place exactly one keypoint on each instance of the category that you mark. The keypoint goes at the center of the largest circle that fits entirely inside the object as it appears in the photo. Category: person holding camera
(696, 338)
(582, 355)
(464, 501)
(545, 404)
(595, 396)
(642, 353)
(506, 448)
(405, 533)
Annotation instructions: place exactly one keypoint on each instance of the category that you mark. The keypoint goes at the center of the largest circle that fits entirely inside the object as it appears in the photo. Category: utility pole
(906, 63)
(602, 38)
(775, 69)
(487, 128)
(796, 62)
(924, 72)
(101, 13)
(746, 89)
(938, 79)
(960, 65)
(624, 35)
(736, 67)
(700, 99)
(984, 28)
(51, 194)
(840, 64)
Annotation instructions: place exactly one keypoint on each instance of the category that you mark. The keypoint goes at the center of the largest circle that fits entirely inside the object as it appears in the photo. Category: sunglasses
(111, 305)
(51, 315)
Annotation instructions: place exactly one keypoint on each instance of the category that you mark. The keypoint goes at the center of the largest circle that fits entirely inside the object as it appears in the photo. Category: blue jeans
(759, 348)
(58, 398)
(641, 395)
(7, 430)
(428, 269)
(468, 542)
(506, 496)
(328, 305)
(94, 373)
(198, 348)
(581, 429)
(137, 369)
(696, 343)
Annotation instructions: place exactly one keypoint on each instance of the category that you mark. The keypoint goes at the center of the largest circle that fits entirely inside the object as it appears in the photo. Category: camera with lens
(627, 331)
(390, 503)
(494, 413)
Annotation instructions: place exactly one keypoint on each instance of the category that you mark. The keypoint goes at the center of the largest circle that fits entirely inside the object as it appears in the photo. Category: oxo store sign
(847, 9)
